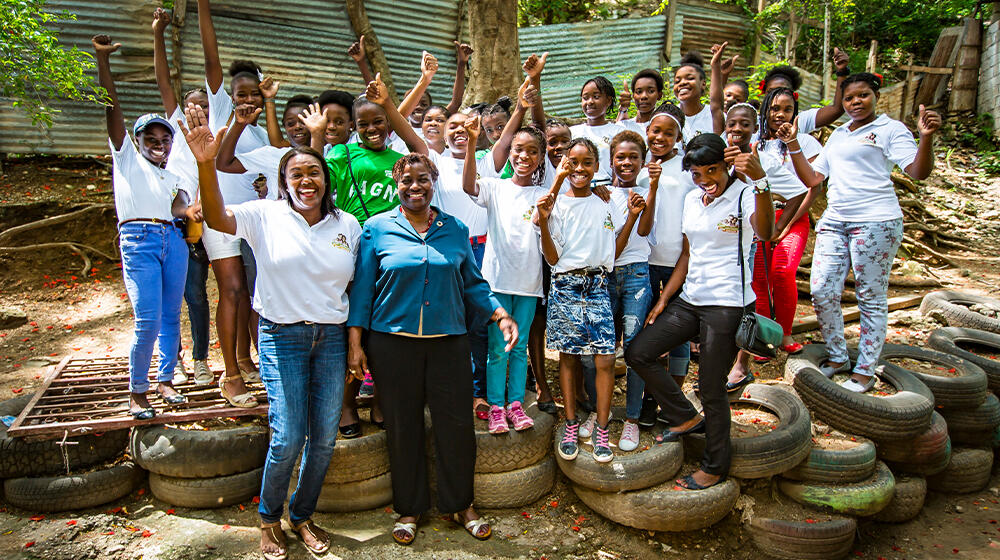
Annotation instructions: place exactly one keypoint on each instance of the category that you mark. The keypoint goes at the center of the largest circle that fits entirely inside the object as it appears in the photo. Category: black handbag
(756, 334)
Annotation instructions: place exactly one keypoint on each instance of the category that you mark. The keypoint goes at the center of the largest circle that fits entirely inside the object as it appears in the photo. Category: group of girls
(423, 255)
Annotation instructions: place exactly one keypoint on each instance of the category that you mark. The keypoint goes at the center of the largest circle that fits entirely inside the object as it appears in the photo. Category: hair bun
(505, 102)
(241, 66)
(693, 57)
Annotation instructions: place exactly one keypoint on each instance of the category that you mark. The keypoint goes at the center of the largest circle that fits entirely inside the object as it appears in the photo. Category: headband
(666, 114)
(738, 105)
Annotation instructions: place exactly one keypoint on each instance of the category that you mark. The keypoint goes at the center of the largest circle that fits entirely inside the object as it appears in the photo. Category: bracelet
(799, 151)
(761, 186)
(268, 100)
(843, 73)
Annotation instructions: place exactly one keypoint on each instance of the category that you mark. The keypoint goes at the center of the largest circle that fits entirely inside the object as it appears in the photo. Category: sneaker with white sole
(587, 428)
(498, 420)
(602, 444)
(202, 373)
(180, 374)
(568, 448)
(855, 387)
(829, 371)
(517, 417)
(630, 437)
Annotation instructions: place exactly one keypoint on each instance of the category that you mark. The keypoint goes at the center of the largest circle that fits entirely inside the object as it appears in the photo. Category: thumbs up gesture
(928, 122)
(748, 165)
(376, 92)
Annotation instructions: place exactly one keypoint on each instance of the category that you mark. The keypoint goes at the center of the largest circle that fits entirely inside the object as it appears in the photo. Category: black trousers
(679, 323)
(411, 373)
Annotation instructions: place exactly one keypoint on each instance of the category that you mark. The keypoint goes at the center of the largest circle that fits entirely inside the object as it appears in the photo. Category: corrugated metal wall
(700, 24)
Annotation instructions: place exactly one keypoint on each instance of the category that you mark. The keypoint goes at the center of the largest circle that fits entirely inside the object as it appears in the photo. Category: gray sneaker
(829, 371)
(180, 374)
(202, 373)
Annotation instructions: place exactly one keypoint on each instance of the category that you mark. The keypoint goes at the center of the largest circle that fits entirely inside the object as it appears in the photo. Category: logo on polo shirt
(608, 224)
(341, 242)
(729, 225)
(870, 140)
(527, 213)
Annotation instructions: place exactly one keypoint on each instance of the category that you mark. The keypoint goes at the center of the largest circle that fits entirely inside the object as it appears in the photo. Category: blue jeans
(302, 366)
(680, 357)
(498, 377)
(196, 297)
(154, 265)
(478, 339)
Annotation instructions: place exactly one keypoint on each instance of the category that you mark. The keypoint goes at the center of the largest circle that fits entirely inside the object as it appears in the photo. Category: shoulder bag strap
(354, 181)
(739, 220)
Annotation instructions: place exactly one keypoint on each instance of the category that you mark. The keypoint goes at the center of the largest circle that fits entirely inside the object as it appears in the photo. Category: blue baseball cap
(149, 118)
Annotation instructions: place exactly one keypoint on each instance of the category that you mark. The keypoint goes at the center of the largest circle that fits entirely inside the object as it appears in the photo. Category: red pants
(783, 258)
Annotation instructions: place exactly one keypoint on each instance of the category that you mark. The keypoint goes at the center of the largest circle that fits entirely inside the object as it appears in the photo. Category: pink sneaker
(517, 417)
(498, 421)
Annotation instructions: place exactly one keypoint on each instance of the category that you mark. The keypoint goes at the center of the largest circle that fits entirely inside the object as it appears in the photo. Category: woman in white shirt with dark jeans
(713, 299)
(863, 224)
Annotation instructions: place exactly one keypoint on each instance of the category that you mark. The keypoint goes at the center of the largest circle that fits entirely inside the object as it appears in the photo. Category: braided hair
(765, 115)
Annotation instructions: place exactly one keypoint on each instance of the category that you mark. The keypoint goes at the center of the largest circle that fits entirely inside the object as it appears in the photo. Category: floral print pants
(868, 248)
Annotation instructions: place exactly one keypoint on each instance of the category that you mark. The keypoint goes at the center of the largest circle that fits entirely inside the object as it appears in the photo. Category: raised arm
(830, 113)
(716, 89)
(762, 220)
(543, 210)
(646, 219)
(533, 67)
(527, 96)
(378, 94)
(112, 110)
(210, 46)
(462, 54)
(160, 67)
(636, 204)
(789, 134)
(226, 160)
(624, 101)
(358, 53)
(928, 122)
(204, 147)
(315, 120)
(428, 67)
(469, 175)
(269, 91)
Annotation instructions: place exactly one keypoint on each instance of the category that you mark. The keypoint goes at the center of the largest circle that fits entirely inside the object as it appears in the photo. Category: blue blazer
(398, 273)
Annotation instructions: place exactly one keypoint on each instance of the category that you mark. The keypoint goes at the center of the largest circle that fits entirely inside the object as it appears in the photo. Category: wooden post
(177, 72)
(755, 58)
(376, 56)
(668, 36)
(872, 57)
(792, 38)
(496, 68)
(824, 91)
(903, 113)
(965, 80)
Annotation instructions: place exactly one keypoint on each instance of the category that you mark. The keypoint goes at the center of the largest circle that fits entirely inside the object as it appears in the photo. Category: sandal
(248, 370)
(689, 483)
(548, 407)
(350, 431)
(243, 400)
(143, 413)
(473, 527)
(409, 531)
(319, 535)
(276, 537)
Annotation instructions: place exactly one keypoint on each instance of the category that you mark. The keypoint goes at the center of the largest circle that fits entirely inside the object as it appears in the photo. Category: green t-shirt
(372, 182)
(508, 170)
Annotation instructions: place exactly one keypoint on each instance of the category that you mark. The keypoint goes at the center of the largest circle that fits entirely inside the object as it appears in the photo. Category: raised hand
(357, 49)
(428, 65)
(563, 170)
(203, 144)
(463, 52)
(472, 128)
(636, 203)
(840, 59)
(161, 18)
(534, 65)
(544, 205)
(654, 170)
(102, 45)
(314, 119)
(376, 92)
(729, 64)
(928, 122)
(731, 151)
(748, 165)
(624, 98)
(246, 114)
(527, 95)
(269, 87)
(788, 132)
(717, 51)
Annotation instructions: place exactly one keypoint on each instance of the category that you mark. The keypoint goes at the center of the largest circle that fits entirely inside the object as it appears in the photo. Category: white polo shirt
(666, 240)
(512, 262)
(451, 198)
(859, 165)
(236, 187)
(807, 121)
(264, 160)
(486, 169)
(302, 270)
(637, 247)
(583, 232)
(601, 137)
(142, 190)
(181, 161)
(713, 276)
(701, 123)
(783, 182)
(635, 126)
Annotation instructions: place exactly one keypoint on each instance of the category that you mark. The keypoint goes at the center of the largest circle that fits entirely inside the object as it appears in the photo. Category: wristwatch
(761, 186)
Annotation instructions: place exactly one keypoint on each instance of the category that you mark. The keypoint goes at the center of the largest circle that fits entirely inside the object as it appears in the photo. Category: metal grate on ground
(88, 395)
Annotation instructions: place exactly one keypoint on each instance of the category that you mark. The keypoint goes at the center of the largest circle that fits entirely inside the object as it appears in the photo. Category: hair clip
(763, 83)
(795, 95)
(260, 75)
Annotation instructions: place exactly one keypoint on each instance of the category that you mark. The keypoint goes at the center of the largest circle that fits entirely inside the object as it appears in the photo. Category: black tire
(662, 507)
(907, 501)
(514, 450)
(21, 458)
(354, 496)
(904, 414)
(515, 488)
(836, 466)
(954, 306)
(926, 454)
(967, 389)
(73, 492)
(774, 452)
(864, 498)
(947, 339)
(632, 471)
(969, 471)
(974, 427)
(358, 459)
(206, 493)
(798, 540)
(199, 453)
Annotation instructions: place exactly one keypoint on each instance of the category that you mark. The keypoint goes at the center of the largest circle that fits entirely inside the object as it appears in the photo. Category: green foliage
(989, 162)
(34, 67)
(547, 12)
(979, 134)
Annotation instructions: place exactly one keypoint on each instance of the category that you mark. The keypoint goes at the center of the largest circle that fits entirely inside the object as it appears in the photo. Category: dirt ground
(86, 312)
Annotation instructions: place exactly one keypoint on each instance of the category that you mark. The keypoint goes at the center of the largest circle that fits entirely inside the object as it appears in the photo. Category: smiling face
(338, 124)
(415, 187)
(373, 127)
(593, 102)
(781, 111)
(712, 179)
(627, 161)
(688, 84)
(662, 135)
(732, 95)
(434, 124)
(525, 154)
(741, 123)
(455, 134)
(154, 143)
(859, 101)
(295, 129)
(582, 166)
(305, 182)
(246, 90)
(556, 140)
(417, 116)
(645, 95)
(493, 126)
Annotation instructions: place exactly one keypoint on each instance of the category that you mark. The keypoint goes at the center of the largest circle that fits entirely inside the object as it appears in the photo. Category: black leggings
(411, 373)
(716, 327)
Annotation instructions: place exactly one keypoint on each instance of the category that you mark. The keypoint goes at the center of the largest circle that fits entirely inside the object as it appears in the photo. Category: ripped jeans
(628, 287)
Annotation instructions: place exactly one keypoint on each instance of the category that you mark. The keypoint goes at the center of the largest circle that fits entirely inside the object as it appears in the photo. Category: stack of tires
(35, 472)
(201, 468)
(358, 477)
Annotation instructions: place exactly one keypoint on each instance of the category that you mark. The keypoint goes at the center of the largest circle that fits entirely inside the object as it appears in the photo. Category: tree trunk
(376, 56)
(496, 66)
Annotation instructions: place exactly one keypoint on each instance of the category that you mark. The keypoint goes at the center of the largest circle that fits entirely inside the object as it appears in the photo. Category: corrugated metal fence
(303, 45)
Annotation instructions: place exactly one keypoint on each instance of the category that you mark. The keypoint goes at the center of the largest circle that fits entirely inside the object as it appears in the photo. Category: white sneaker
(180, 374)
(587, 426)
(202, 373)
(855, 387)
(630, 437)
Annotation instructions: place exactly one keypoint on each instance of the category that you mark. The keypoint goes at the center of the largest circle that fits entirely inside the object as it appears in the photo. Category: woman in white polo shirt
(305, 249)
(723, 211)
(863, 225)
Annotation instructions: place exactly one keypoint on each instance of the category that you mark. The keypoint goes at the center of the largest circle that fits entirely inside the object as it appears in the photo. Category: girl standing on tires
(862, 226)
(154, 256)
(715, 293)
(305, 249)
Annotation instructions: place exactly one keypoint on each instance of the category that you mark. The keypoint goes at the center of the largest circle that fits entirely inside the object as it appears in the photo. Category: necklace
(430, 220)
